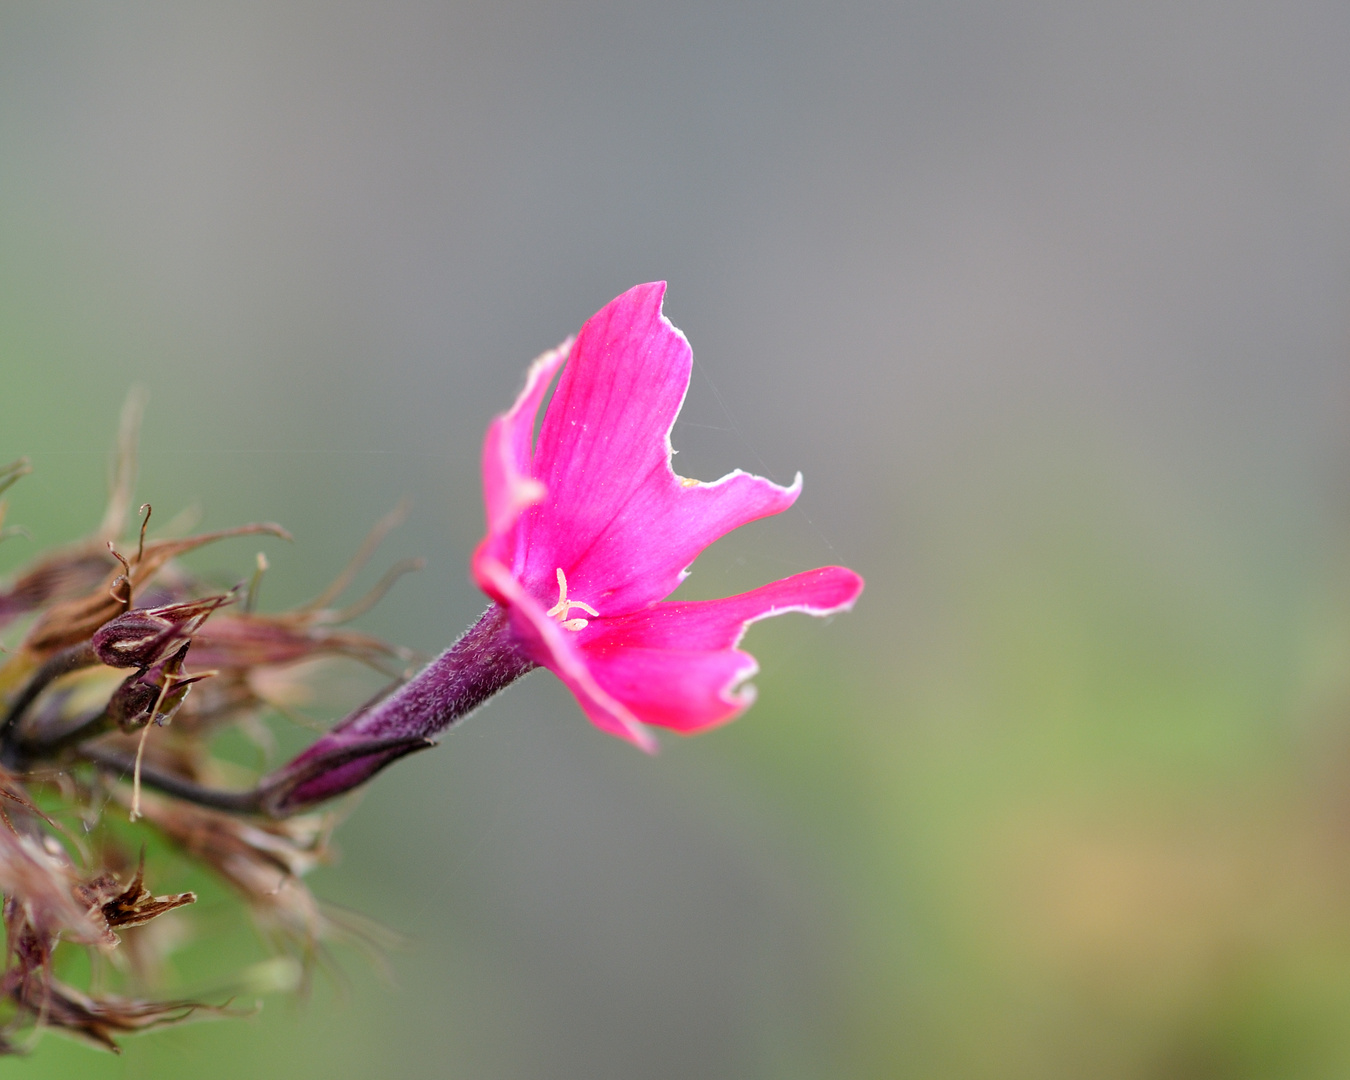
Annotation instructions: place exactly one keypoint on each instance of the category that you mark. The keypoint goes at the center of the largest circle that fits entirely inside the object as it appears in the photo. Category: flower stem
(63, 663)
(486, 659)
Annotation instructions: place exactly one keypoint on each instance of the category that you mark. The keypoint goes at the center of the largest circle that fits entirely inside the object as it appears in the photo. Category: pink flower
(591, 530)
(588, 533)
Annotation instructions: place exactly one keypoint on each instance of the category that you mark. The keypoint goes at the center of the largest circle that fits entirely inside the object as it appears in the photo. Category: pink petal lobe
(509, 487)
(617, 519)
(681, 689)
(642, 555)
(675, 665)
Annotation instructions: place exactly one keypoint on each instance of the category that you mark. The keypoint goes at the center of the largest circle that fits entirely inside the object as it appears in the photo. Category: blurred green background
(1047, 300)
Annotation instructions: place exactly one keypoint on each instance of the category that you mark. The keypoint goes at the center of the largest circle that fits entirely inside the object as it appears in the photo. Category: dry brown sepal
(39, 1000)
(49, 900)
(56, 1005)
(73, 621)
(264, 861)
(118, 640)
(60, 575)
(129, 905)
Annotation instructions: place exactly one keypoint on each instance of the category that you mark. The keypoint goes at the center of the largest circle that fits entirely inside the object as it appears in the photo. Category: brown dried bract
(74, 750)
(47, 1002)
(74, 621)
(263, 860)
(133, 905)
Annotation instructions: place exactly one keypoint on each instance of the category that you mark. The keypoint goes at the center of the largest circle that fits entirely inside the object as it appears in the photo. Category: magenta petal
(720, 624)
(642, 555)
(509, 487)
(676, 665)
(681, 689)
(616, 518)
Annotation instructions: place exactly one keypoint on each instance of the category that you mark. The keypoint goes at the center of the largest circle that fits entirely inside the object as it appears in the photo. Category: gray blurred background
(1048, 301)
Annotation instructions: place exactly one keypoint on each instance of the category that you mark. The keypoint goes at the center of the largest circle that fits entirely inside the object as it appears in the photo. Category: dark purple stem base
(486, 659)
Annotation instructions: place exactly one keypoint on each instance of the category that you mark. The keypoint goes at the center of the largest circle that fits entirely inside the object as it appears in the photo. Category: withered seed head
(141, 637)
(72, 734)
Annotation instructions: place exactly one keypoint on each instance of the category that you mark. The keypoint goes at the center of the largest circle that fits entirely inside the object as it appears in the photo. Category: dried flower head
(121, 668)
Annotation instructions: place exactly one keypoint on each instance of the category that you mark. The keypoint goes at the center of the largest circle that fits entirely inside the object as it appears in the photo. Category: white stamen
(564, 607)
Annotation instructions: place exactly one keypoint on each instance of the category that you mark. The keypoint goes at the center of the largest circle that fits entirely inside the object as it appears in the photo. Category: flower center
(564, 607)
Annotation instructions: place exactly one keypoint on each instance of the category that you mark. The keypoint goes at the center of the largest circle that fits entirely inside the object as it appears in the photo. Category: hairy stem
(486, 659)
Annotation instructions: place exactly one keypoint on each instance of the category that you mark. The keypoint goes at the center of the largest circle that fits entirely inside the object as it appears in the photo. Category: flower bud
(130, 703)
(152, 693)
(140, 638)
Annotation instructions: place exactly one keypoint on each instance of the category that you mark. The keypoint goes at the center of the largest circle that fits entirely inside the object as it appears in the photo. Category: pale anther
(564, 607)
